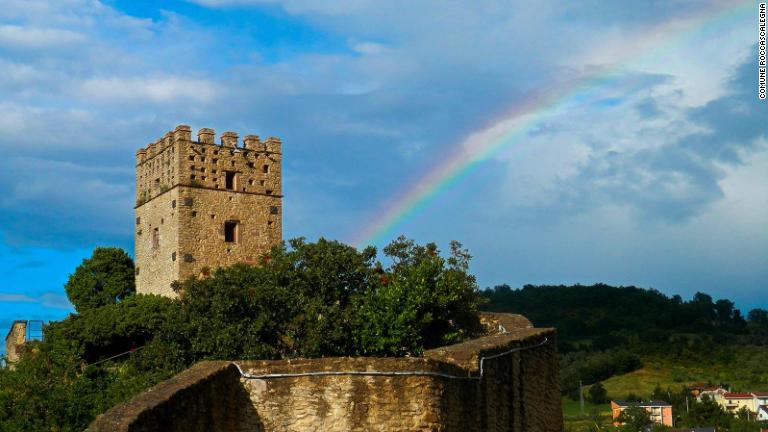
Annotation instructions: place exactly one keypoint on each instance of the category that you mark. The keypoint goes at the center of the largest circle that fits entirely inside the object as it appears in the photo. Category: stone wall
(441, 391)
(201, 237)
(14, 340)
(188, 190)
(157, 267)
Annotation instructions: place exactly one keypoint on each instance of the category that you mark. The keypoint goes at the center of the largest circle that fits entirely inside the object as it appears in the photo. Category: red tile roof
(738, 395)
(761, 394)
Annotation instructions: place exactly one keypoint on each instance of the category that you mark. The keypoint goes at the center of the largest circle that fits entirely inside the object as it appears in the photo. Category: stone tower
(202, 205)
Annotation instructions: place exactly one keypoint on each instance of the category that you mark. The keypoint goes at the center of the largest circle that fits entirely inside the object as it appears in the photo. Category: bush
(105, 278)
(597, 394)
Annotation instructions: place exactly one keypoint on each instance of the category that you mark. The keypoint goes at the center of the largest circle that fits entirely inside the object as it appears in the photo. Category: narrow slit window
(155, 238)
(230, 231)
(265, 169)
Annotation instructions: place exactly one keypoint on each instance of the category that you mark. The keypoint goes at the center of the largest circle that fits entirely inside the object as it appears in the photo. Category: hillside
(640, 343)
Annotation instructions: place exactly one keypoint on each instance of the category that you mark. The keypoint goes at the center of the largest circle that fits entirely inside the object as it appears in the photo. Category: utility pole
(581, 397)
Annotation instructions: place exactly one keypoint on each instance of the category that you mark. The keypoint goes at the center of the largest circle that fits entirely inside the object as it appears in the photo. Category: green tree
(327, 298)
(117, 328)
(422, 300)
(635, 419)
(598, 394)
(297, 302)
(105, 278)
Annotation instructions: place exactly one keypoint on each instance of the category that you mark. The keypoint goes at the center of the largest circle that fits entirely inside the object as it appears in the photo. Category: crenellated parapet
(176, 159)
(206, 136)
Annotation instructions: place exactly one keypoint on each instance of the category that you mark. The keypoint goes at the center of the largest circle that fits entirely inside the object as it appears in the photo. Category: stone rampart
(506, 381)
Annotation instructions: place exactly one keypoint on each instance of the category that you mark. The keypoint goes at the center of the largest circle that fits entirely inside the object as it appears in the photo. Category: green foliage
(598, 394)
(635, 419)
(303, 300)
(105, 278)
(298, 302)
(593, 367)
(328, 299)
(112, 329)
(422, 301)
(582, 311)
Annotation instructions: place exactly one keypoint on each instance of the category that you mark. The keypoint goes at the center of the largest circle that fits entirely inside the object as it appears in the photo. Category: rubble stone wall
(441, 391)
(15, 339)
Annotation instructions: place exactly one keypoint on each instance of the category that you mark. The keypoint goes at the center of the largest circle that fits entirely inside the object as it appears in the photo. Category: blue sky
(660, 183)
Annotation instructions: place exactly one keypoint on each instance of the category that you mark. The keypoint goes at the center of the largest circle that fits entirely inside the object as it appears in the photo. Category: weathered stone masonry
(518, 391)
(202, 205)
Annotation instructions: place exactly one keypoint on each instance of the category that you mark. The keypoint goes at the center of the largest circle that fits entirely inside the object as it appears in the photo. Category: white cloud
(15, 298)
(50, 299)
(29, 38)
(148, 89)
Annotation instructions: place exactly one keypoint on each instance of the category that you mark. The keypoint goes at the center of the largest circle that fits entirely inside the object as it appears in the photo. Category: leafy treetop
(105, 278)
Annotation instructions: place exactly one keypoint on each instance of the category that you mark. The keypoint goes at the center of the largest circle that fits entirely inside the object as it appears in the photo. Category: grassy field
(571, 408)
(745, 370)
(574, 421)
(642, 381)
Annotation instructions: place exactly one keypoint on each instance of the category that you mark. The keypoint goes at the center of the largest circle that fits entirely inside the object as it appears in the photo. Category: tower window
(230, 180)
(155, 238)
(273, 210)
(265, 169)
(230, 231)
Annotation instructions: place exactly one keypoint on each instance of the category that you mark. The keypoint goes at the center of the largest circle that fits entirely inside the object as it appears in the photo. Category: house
(733, 402)
(760, 398)
(660, 411)
(762, 413)
(714, 393)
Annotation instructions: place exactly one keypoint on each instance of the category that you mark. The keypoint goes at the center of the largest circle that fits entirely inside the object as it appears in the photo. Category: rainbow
(527, 114)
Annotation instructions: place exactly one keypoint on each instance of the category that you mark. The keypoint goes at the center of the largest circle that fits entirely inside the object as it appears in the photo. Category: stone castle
(202, 205)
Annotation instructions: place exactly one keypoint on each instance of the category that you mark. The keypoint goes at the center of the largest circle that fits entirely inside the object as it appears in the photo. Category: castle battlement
(187, 192)
(183, 133)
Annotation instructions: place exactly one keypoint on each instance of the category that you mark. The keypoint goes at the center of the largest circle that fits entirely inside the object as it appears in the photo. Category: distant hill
(594, 311)
(605, 331)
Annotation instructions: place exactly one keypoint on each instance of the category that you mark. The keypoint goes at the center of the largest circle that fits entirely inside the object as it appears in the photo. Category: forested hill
(601, 312)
